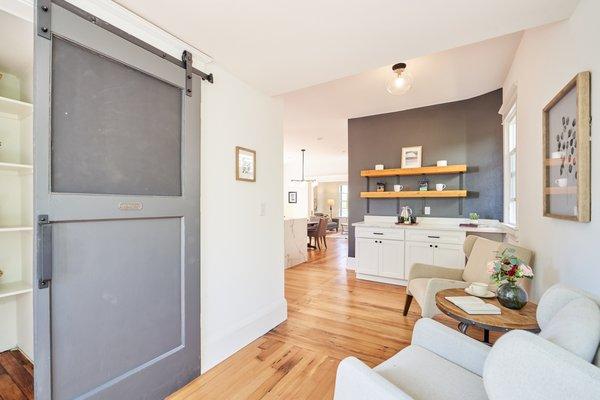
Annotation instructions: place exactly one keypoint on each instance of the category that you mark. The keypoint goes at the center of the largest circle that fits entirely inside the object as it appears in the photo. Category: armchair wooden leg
(325, 241)
(407, 302)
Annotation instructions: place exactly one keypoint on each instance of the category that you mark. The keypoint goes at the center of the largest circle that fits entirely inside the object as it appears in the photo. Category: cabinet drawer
(430, 236)
(380, 233)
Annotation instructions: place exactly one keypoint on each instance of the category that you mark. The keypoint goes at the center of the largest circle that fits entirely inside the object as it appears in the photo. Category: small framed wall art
(566, 157)
(292, 197)
(245, 164)
(412, 156)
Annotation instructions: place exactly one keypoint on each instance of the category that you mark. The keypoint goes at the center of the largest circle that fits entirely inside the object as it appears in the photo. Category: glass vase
(512, 296)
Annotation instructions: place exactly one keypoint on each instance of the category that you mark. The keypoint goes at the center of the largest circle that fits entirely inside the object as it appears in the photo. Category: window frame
(510, 118)
(341, 208)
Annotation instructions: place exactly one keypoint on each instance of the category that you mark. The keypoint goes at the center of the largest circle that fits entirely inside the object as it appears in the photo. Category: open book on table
(473, 305)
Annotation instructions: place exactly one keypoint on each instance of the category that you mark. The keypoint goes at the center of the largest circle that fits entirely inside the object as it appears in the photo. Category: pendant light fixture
(303, 180)
(401, 83)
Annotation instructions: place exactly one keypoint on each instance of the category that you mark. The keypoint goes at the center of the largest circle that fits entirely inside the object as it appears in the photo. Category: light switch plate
(427, 210)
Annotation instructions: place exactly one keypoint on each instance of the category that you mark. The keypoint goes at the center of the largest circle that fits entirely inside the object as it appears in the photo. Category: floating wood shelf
(450, 169)
(14, 288)
(561, 190)
(15, 107)
(553, 162)
(414, 194)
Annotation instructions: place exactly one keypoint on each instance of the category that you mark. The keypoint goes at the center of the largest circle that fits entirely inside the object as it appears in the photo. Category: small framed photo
(292, 197)
(412, 156)
(245, 164)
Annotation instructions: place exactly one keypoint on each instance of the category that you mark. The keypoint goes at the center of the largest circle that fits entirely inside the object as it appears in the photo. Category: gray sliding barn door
(117, 291)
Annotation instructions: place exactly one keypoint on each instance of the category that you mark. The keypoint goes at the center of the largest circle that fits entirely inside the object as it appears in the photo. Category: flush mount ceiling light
(401, 83)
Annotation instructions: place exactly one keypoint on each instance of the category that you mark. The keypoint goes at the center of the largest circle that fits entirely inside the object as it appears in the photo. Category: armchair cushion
(423, 374)
(482, 252)
(522, 365)
(575, 327)
(419, 270)
(424, 290)
(451, 345)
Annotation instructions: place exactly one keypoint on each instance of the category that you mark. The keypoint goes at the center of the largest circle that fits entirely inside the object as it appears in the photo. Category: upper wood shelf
(561, 190)
(450, 169)
(414, 194)
(15, 107)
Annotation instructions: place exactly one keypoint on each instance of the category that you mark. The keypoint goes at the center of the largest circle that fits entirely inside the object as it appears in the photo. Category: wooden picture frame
(293, 197)
(245, 164)
(566, 156)
(412, 157)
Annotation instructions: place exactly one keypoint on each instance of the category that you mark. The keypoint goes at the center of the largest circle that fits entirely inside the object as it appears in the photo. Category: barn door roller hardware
(44, 29)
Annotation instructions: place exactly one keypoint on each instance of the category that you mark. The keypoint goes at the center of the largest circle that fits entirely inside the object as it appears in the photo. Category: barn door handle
(44, 253)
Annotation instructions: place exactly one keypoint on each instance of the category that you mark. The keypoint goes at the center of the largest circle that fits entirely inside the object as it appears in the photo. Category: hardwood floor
(16, 376)
(331, 315)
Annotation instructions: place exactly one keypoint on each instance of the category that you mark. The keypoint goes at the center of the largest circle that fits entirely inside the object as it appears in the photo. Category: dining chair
(319, 233)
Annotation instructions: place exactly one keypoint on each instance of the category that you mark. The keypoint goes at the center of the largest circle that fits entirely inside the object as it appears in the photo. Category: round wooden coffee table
(509, 319)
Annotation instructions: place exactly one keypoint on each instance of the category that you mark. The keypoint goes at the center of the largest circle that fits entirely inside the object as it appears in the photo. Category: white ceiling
(316, 118)
(16, 52)
(279, 46)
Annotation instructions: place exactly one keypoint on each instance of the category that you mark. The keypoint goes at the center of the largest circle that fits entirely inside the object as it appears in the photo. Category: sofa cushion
(425, 375)
(576, 328)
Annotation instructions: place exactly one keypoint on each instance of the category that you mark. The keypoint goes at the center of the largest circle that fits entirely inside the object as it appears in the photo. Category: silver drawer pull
(377, 233)
(433, 237)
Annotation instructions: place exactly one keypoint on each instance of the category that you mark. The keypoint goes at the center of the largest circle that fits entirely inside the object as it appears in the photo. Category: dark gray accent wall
(463, 132)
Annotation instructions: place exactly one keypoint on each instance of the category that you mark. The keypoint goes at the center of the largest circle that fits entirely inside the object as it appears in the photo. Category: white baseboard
(382, 279)
(220, 345)
(351, 264)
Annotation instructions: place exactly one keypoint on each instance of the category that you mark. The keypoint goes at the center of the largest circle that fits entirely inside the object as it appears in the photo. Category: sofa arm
(525, 366)
(451, 345)
(356, 381)
(419, 270)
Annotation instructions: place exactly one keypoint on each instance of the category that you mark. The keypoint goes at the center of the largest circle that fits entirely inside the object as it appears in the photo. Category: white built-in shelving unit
(16, 188)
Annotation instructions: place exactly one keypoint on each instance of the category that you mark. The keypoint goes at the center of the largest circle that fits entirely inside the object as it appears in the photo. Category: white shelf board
(15, 107)
(21, 168)
(15, 228)
(14, 288)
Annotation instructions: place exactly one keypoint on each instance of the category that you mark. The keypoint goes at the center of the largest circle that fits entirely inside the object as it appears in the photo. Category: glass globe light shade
(400, 84)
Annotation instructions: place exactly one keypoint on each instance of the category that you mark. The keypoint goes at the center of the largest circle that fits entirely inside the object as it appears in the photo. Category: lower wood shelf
(14, 288)
(414, 194)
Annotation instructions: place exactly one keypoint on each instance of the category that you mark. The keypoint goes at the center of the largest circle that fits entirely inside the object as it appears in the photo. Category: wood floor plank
(331, 315)
(21, 378)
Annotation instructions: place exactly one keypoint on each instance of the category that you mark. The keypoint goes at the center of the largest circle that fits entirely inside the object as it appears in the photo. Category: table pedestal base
(464, 326)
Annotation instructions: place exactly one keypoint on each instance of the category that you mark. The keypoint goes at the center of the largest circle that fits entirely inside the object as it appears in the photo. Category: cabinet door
(392, 259)
(417, 252)
(449, 255)
(367, 251)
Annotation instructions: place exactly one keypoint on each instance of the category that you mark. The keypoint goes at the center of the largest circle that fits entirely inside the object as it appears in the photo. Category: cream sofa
(443, 364)
(424, 280)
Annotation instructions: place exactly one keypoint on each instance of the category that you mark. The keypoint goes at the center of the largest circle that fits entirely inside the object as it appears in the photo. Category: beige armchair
(424, 281)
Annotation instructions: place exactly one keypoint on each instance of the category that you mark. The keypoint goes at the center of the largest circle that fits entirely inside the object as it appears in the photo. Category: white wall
(546, 60)
(242, 251)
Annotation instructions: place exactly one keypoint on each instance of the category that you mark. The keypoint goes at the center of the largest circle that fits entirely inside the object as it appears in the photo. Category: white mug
(479, 288)
(557, 154)
(442, 163)
(440, 186)
(398, 188)
(561, 182)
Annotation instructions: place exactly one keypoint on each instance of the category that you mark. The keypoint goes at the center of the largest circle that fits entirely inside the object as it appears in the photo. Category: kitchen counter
(438, 224)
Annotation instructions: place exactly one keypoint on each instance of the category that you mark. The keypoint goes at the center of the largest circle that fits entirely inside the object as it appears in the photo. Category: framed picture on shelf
(292, 197)
(567, 158)
(245, 164)
(412, 156)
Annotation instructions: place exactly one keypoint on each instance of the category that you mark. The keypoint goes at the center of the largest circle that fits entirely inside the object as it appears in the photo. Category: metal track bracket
(44, 18)
(186, 57)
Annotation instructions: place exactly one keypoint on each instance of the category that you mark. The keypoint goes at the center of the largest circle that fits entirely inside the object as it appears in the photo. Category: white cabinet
(387, 254)
(449, 255)
(380, 257)
(392, 259)
(367, 252)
